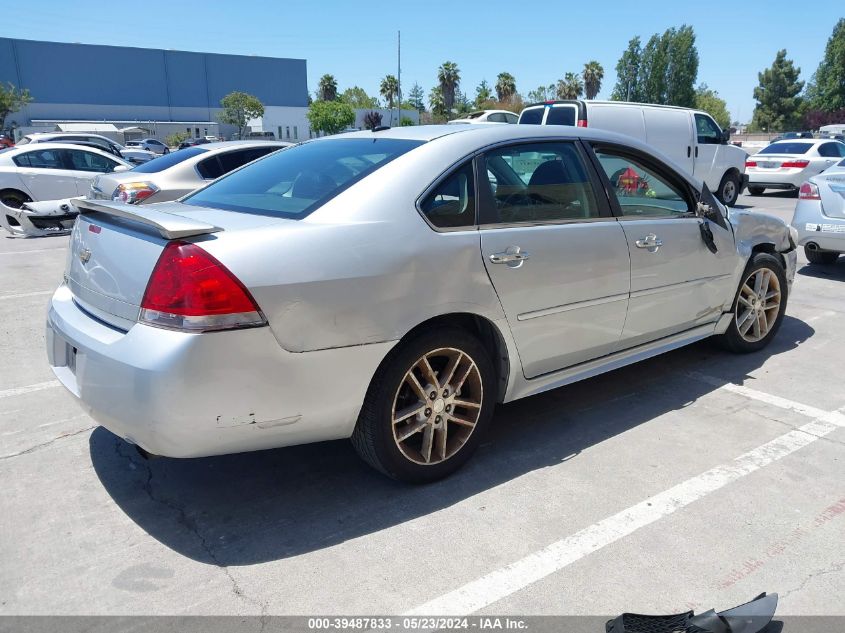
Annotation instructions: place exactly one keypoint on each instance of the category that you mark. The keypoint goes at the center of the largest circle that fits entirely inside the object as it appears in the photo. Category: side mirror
(120, 168)
(726, 136)
(710, 209)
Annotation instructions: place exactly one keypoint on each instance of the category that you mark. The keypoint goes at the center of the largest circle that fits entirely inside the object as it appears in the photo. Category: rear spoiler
(169, 225)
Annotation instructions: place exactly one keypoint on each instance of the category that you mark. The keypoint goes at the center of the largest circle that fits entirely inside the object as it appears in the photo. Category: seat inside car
(557, 192)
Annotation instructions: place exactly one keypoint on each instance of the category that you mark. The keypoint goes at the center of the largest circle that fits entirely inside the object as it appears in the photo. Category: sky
(356, 41)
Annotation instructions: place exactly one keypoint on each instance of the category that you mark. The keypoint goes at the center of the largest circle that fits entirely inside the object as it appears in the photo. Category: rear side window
(295, 182)
(831, 150)
(539, 182)
(40, 159)
(561, 115)
(452, 202)
(785, 147)
(216, 166)
(168, 160)
(532, 116)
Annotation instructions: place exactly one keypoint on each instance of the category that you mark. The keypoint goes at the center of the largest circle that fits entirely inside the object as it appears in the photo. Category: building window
(295, 133)
(279, 135)
(197, 132)
(189, 130)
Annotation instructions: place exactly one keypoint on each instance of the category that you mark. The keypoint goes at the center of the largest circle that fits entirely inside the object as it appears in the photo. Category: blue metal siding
(115, 75)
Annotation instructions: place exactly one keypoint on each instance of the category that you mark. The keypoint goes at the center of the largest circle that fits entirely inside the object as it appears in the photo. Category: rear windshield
(561, 115)
(532, 116)
(168, 160)
(293, 182)
(784, 147)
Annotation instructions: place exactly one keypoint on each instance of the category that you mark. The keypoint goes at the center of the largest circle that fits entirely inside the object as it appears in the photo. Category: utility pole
(399, 72)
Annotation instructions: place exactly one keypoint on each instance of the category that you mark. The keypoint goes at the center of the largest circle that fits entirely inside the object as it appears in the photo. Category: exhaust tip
(812, 246)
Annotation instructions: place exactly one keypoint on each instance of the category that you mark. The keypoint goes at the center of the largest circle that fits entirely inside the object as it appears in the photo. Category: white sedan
(487, 116)
(787, 164)
(51, 171)
(819, 217)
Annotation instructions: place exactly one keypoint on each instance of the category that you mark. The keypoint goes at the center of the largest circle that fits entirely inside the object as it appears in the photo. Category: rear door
(45, 173)
(557, 258)
(676, 282)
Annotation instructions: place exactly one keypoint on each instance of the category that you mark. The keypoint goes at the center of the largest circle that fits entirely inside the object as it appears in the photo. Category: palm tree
(593, 74)
(389, 89)
(505, 86)
(448, 78)
(570, 87)
(327, 88)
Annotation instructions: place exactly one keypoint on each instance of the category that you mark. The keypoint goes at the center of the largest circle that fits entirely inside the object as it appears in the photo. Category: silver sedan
(393, 286)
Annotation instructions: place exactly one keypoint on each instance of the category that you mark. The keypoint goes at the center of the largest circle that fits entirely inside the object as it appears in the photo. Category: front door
(677, 283)
(708, 138)
(557, 258)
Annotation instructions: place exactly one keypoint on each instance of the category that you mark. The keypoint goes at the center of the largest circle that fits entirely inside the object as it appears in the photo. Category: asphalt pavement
(696, 479)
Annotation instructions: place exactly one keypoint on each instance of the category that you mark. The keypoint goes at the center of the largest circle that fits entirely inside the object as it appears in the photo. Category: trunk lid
(832, 192)
(114, 248)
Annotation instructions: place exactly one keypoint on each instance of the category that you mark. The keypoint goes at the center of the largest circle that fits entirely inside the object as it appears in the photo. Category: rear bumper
(813, 227)
(770, 180)
(192, 395)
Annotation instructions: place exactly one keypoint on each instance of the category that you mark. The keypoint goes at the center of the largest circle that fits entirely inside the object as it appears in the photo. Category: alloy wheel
(437, 406)
(758, 305)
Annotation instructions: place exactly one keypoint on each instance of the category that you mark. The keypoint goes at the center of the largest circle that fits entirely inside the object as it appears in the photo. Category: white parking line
(27, 294)
(36, 250)
(17, 391)
(507, 580)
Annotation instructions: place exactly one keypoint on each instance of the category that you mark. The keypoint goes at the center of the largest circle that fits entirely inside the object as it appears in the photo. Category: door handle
(689, 151)
(513, 256)
(650, 242)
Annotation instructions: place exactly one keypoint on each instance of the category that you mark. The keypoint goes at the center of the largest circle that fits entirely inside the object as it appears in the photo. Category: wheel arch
(487, 332)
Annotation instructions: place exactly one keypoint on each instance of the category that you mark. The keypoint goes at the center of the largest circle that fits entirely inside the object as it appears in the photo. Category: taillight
(190, 290)
(801, 164)
(809, 191)
(582, 123)
(750, 163)
(134, 192)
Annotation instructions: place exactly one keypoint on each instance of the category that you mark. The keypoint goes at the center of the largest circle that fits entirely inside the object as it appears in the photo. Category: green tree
(826, 91)
(239, 108)
(174, 139)
(327, 88)
(358, 98)
(681, 67)
(406, 122)
(482, 93)
(593, 74)
(710, 101)
(12, 100)
(542, 93)
(448, 78)
(778, 96)
(416, 97)
(653, 66)
(435, 102)
(627, 86)
(570, 87)
(505, 86)
(330, 117)
(389, 90)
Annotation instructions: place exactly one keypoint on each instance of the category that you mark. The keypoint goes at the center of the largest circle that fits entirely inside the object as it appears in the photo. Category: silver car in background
(819, 217)
(178, 173)
(393, 286)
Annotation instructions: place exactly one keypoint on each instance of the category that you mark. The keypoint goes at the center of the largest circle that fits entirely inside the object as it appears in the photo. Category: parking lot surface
(696, 479)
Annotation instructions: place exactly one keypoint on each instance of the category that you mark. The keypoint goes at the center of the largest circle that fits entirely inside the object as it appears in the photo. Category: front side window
(496, 117)
(707, 130)
(642, 190)
(539, 182)
(40, 159)
(511, 118)
(293, 183)
(89, 161)
(451, 203)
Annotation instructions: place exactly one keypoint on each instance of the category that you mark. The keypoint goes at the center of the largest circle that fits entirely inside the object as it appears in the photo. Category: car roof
(223, 145)
(29, 147)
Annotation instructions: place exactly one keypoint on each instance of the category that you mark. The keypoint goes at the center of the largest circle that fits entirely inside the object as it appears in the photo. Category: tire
(729, 189)
(14, 198)
(754, 338)
(756, 191)
(380, 442)
(825, 258)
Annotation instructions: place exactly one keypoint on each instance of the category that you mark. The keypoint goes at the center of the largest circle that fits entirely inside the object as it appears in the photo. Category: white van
(690, 137)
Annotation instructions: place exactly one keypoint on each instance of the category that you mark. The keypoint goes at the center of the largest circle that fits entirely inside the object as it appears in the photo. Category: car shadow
(255, 507)
(835, 272)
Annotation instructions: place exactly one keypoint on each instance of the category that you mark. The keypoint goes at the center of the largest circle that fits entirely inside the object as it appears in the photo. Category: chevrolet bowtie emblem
(84, 255)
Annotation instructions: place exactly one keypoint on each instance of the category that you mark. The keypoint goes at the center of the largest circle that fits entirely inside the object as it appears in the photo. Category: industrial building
(119, 90)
